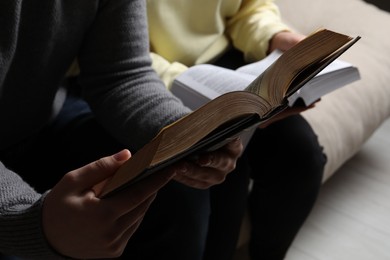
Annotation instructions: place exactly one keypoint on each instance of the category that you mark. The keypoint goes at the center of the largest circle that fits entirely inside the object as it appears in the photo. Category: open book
(204, 82)
(236, 112)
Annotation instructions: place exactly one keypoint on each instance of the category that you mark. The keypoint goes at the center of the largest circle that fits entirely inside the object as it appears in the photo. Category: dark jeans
(285, 163)
(176, 225)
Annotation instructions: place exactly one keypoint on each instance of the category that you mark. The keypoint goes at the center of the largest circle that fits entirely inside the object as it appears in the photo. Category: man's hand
(80, 225)
(210, 168)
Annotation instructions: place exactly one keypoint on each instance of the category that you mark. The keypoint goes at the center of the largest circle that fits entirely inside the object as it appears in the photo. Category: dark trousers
(285, 163)
(175, 227)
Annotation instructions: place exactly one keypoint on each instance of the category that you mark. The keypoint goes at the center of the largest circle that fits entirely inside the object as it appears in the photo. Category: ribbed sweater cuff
(23, 234)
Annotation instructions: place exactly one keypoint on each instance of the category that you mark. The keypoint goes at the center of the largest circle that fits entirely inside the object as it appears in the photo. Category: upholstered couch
(346, 118)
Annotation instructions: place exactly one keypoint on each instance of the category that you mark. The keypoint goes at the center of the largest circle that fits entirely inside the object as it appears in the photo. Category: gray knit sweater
(39, 39)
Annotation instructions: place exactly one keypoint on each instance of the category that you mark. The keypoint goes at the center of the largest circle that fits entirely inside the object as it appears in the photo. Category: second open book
(204, 82)
(232, 112)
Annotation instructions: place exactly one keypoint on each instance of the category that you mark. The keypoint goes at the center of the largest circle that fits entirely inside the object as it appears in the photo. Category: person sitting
(284, 161)
(55, 147)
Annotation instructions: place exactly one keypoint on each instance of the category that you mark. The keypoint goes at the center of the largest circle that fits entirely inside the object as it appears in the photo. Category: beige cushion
(346, 118)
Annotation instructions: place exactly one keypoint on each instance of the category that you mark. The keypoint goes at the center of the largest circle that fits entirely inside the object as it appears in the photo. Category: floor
(351, 220)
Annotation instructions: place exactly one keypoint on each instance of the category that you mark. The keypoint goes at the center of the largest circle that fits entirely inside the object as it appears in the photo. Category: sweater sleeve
(118, 81)
(253, 27)
(21, 231)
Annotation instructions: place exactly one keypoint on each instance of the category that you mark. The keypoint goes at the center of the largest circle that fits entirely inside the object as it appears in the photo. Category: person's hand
(284, 40)
(294, 110)
(210, 168)
(80, 225)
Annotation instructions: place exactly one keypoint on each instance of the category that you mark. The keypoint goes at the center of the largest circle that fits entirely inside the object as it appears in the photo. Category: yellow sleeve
(166, 70)
(253, 26)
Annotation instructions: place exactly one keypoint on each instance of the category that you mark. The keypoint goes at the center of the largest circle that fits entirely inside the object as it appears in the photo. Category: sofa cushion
(346, 118)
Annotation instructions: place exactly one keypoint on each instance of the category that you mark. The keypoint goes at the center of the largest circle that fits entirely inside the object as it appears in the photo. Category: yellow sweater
(188, 32)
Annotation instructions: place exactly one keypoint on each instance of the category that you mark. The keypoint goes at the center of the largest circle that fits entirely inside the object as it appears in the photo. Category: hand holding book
(211, 168)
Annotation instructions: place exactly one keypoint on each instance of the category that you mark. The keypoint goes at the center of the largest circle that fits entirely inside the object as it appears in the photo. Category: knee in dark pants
(288, 149)
(175, 226)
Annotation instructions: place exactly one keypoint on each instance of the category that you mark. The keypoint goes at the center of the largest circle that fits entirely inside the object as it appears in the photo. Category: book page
(326, 82)
(256, 68)
(335, 65)
(219, 80)
(205, 82)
